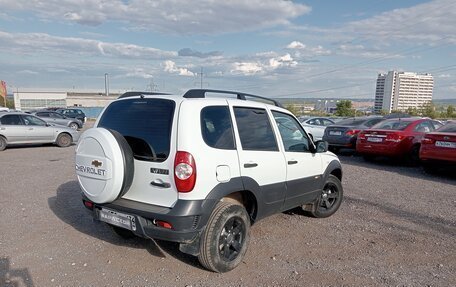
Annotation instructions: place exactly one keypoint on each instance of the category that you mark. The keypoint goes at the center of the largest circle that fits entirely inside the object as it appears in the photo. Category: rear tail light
(352, 132)
(362, 136)
(428, 141)
(184, 171)
(396, 137)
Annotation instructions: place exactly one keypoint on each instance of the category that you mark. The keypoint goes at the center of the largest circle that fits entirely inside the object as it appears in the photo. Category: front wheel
(2, 143)
(64, 140)
(224, 241)
(330, 198)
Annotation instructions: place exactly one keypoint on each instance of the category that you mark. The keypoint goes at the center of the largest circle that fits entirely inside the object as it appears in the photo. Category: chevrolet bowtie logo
(96, 163)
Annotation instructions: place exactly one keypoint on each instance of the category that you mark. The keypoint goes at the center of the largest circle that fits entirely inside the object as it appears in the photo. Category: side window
(372, 122)
(436, 124)
(33, 121)
(46, 115)
(217, 128)
(293, 136)
(313, 122)
(56, 115)
(13, 120)
(255, 129)
(424, 127)
(326, 122)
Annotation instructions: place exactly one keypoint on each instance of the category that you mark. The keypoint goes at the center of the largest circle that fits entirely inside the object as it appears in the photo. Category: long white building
(402, 90)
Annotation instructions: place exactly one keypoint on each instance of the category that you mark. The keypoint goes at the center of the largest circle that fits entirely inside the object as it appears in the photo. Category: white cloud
(296, 45)
(424, 23)
(177, 17)
(37, 43)
(262, 66)
(171, 67)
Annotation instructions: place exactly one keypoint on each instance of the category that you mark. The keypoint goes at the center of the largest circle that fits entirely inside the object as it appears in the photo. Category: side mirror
(321, 146)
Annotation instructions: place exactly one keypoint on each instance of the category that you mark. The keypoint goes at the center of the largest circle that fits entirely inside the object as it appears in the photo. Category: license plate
(116, 218)
(335, 133)
(445, 144)
(375, 140)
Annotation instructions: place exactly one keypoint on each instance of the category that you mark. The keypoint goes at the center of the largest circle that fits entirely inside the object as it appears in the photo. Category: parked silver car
(56, 118)
(315, 126)
(21, 128)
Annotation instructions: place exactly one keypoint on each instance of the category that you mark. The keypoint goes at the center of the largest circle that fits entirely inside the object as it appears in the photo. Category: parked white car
(315, 126)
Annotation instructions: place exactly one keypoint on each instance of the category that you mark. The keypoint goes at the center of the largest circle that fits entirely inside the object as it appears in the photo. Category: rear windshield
(351, 122)
(448, 128)
(145, 124)
(396, 125)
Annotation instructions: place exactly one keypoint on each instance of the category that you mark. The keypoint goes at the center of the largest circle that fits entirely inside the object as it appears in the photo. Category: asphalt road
(396, 227)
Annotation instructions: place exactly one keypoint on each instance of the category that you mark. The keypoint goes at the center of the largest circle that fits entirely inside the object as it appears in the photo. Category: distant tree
(384, 112)
(450, 112)
(412, 111)
(428, 110)
(344, 109)
(293, 109)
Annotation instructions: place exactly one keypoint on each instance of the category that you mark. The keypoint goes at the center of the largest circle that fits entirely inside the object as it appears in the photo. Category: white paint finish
(100, 144)
(223, 173)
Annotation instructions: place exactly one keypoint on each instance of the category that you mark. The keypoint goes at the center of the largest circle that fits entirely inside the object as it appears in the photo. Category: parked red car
(439, 146)
(395, 138)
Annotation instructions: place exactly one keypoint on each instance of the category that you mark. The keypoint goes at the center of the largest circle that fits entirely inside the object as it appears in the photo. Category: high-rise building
(402, 90)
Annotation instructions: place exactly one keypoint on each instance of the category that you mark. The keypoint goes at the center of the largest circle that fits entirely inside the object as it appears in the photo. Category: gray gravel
(397, 227)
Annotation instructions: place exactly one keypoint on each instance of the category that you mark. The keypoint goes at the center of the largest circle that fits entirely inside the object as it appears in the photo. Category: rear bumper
(187, 218)
(347, 142)
(386, 150)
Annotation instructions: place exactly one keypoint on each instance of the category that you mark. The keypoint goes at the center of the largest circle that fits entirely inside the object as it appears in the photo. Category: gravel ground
(396, 227)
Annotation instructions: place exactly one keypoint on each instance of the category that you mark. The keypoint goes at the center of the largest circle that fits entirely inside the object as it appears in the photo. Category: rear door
(304, 168)
(260, 159)
(148, 124)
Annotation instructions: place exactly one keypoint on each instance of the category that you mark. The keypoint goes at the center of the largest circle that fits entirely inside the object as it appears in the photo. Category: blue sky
(275, 48)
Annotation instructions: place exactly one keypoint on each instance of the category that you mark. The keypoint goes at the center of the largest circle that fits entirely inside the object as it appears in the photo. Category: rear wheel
(2, 143)
(74, 126)
(330, 199)
(224, 241)
(64, 140)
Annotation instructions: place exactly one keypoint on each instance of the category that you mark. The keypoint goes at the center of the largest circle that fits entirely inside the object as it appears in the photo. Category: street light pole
(106, 85)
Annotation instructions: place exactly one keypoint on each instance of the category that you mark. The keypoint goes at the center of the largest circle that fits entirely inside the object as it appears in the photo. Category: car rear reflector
(163, 224)
(352, 132)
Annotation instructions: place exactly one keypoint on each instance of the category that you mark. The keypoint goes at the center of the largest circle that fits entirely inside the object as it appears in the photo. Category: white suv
(200, 170)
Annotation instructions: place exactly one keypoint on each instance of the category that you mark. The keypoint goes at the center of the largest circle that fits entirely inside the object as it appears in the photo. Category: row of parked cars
(410, 138)
(58, 126)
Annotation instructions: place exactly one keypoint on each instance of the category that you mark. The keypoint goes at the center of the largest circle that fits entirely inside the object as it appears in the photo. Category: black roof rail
(201, 93)
(133, 94)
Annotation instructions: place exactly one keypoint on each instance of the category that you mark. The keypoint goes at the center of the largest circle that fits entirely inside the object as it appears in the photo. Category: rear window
(448, 128)
(396, 125)
(145, 124)
(351, 122)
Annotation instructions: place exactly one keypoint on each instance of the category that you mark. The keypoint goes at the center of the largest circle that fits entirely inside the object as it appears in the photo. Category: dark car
(344, 133)
(73, 113)
(59, 119)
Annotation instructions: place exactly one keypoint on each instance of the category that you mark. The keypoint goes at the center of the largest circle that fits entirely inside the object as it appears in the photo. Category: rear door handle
(247, 165)
(160, 183)
(290, 162)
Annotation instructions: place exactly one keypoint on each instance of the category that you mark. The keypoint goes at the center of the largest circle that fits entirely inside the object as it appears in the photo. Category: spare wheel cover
(104, 165)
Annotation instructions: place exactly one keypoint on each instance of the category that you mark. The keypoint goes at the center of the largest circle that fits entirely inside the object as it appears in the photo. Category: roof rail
(132, 94)
(201, 93)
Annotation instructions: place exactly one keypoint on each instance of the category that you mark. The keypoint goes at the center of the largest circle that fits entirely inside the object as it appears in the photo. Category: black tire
(334, 149)
(224, 241)
(330, 199)
(2, 143)
(368, 157)
(122, 232)
(64, 140)
(74, 126)
(414, 155)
